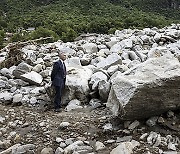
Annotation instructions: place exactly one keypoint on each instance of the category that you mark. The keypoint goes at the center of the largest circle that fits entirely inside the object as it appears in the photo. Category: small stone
(161, 120)
(124, 139)
(47, 151)
(126, 124)
(133, 125)
(143, 136)
(62, 145)
(23, 149)
(171, 146)
(69, 141)
(64, 124)
(58, 139)
(42, 124)
(17, 98)
(110, 141)
(59, 151)
(151, 121)
(108, 127)
(99, 146)
(2, 120)
(170, 114)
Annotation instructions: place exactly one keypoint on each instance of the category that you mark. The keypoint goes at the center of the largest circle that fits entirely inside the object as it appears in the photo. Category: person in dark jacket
(58, 78)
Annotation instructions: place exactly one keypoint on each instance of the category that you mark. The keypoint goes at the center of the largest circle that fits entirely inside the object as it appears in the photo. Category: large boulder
(125, 147)
(148, 89)
(21, 69)
(77, 84)
(90, 48)
(32, 77)
(111, 60)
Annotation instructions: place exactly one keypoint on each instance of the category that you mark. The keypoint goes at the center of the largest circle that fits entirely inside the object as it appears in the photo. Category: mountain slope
(69, 18)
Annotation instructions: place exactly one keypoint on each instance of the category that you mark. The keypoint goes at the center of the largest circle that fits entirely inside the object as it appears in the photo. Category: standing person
(58, 78)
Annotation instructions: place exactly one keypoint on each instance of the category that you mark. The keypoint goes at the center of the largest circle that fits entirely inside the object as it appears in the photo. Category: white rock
(58, 139)
(77, 84)
(158, 52)
(47, 151)
(104, 89)
(99, 146)
(6, 72)
(33, 100)
(64, 124)
(125, 148)
(72, 147)
(124, 139)
(128, 89)
(17, 98)
(59, 151)
(96, 78)
(142, 137)
(171, 146)
(69, 141)
(42, 124)
(108, 127)
(73, 104)
(32, 78)
(111, 60)
(39, 61)
(90, 48)
(62, 145)
(151, 121)
(23, 149)
(133, 125)
(2, 119)
(38, 68)
(73, 62)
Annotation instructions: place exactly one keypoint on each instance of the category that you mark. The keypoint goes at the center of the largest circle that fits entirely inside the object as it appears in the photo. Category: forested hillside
(66, 19)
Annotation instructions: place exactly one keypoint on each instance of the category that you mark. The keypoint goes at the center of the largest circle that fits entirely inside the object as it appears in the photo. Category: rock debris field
(122, 95)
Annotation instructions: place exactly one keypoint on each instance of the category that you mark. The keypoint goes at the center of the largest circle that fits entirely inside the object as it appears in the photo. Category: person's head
(62, 55)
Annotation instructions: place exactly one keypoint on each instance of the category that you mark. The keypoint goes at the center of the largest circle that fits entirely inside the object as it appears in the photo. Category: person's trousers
(57, 100)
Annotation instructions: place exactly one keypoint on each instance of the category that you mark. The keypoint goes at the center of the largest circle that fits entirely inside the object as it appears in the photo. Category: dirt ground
(41, 128)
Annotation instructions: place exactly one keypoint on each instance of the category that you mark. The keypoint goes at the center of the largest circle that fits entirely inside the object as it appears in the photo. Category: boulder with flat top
(149, 89)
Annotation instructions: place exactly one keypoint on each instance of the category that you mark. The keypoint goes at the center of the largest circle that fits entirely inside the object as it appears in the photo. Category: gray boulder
(73, 104)
(90, 48)
(104, 88)
(21, 69)
(158, 51)
(148, 89)
(96, 78)
(6, 72)
(125, 147)
(77, 84)
(32, 77)
(111, 60)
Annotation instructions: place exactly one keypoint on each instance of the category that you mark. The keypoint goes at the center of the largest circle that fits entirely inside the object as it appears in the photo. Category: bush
(18, 37)
(2, 35)
(69, 35)
(44, 32)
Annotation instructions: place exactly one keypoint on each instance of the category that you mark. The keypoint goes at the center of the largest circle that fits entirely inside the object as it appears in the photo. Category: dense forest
(66, 19)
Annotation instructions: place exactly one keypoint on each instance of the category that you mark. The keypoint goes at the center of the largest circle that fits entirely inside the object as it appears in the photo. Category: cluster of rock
(134, 71)
(35, 134)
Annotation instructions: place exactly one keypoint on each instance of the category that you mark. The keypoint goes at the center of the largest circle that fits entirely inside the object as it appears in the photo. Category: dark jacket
(58, 74)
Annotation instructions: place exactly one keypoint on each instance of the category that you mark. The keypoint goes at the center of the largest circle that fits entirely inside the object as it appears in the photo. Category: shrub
(68, 35)
(18, 37)
(44, 32)
(2, 35)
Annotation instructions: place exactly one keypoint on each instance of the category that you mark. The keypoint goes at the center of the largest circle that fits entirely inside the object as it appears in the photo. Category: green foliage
(18, 37)
(2, 35)
(66, 19)
(43, 32)
(69, 35)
